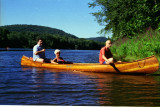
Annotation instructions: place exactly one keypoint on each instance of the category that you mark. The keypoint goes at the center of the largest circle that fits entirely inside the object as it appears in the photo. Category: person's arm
(61, 59)
(54, 61)
(38, 52)
(103, 54)
(104, 57)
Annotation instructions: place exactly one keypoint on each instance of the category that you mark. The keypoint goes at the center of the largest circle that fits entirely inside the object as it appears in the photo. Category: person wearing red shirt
(105, 56)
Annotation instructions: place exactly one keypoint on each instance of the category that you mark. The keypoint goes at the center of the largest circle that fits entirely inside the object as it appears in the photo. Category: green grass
(140, 46)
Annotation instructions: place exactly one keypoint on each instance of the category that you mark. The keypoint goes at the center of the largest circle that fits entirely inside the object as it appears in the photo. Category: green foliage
(3, 37)
(27, 39)
(127, 17)
(138, 47)
(37, 29)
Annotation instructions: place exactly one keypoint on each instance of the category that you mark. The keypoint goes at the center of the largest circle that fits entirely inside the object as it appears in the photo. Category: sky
(71, 16)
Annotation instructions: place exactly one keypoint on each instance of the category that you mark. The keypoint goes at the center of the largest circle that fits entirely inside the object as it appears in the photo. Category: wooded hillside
(25, 36)
(37, 29)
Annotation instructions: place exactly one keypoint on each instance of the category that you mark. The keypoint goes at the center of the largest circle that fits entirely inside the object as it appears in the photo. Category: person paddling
(39, 52)
(105, 56)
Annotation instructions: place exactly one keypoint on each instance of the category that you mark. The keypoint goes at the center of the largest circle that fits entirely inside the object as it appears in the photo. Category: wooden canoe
(144, 66)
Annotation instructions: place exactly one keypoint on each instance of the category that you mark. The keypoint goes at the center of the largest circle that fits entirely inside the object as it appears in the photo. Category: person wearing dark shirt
(58, 59)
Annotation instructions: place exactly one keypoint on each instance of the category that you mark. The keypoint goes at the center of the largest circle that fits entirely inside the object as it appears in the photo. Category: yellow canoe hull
(144, 66)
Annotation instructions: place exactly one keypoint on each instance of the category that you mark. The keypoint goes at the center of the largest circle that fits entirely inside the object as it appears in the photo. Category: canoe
(144, 66)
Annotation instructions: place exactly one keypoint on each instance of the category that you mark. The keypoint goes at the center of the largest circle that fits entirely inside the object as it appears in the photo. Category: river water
(37, 86)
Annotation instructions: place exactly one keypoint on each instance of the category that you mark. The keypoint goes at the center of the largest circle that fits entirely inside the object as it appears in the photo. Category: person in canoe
(39, 52)
(105, 56)
(58, 59)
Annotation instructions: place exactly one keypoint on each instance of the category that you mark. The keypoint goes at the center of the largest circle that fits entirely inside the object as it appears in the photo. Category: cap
(56, 51)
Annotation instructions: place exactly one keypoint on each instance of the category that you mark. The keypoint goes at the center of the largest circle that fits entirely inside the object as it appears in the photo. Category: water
(38, 86)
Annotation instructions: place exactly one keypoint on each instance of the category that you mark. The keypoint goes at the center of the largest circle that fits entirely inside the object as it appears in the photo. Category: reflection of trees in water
(123, 90)
(134, 90)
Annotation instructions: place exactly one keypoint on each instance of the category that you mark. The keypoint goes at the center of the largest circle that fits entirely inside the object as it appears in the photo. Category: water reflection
(116, 89)
(85, 88)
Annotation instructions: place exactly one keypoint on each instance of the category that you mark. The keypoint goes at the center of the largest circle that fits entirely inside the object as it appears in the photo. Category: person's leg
(110, 60)
(104, 62)
(47, 60)
(40, 60)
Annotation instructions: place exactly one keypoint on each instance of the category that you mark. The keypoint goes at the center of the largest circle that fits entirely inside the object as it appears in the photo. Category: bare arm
(54, 61)
(103, 56)
(38, 52)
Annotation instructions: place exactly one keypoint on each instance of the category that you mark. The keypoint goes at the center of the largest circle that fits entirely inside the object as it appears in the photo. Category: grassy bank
(141, 46)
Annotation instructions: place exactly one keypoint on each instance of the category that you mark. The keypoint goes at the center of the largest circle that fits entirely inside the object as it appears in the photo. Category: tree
(127, 17)
(3, 37)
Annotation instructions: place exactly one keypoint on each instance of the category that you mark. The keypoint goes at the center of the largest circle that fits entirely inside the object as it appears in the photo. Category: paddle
(113, 65)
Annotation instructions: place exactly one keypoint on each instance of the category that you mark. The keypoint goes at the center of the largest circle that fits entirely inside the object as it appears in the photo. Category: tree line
(27, 39)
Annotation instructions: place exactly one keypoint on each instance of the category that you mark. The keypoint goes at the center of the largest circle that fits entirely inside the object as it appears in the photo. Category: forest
(25, 36)
(127, 18)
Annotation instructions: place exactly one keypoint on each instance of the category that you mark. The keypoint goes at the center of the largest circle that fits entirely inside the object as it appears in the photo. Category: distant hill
(37, 28)
(98, 39)
(24, 36)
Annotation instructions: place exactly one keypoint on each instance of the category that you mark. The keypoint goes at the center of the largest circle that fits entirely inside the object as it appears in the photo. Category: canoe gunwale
(99, 63)
(136, 67)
